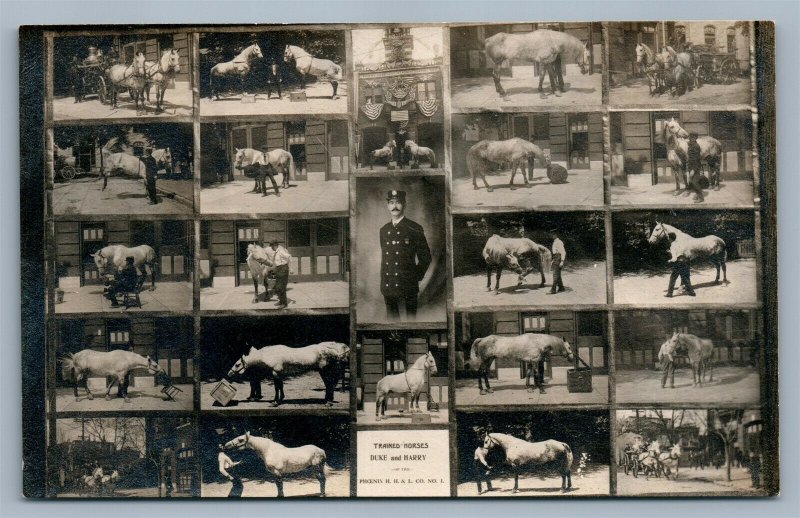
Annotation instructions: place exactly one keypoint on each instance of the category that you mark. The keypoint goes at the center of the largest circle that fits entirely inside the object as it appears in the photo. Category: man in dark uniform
(405, 257)
(400, 137)
(75, 77)
(680, 268)
(274, 79)
(150, 172)
(125, 280)
(694, 167)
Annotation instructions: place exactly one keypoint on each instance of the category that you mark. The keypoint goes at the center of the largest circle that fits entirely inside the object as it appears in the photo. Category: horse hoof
(255, 300)
(483, 392)
(108, 398)
(489, 189)
(490, 391)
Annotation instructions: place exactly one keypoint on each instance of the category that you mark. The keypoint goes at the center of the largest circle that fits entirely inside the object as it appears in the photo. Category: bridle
(662, 233)
(243, 367)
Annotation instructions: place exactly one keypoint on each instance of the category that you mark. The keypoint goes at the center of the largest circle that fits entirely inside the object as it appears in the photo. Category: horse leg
(279, 484)
(516, 482)
(335, 85)
(541, 272)
(528, 376)
(378, 405)
(541, 77)
(497, 86)
(266, 287)
(551, 74)
(717, 265)
(86, 386)
(724, 270)
(321, 478)
(151, 272)
(274, 185)
(255, 286)
(124, 388)
(497, 280)
(513, 174)
(486, 365)
(114, 379)
(276, 383)
(488, 278)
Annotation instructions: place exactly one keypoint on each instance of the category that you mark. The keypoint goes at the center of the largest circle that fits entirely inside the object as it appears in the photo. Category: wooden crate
(223, 393)
(579, 380)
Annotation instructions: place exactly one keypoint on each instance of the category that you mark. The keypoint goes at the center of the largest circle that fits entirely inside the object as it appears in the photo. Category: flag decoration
(372, 110)
(428, 107)
(399, 115)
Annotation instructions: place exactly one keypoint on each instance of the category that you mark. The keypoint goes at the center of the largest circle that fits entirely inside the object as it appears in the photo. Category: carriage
(66, 166)
(715, 67)
(92, 71)
(630, 462)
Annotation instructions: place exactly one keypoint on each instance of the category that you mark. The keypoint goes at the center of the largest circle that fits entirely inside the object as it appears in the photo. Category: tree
(725, 424)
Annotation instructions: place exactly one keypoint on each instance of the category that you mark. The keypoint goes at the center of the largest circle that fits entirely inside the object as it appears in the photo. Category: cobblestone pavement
(636, 92)
(318, 102)
(148, 398)
(301, 295)
(302, 196)
(730, 385)
(584, 187)
(337, 483)
(737, 193)
(306, 391)
(400, 417)
(689, 481)
(479, 92)
(85, 196)
(649, 288)
(511, 390)
(585, 283)
(595, 482)
(177, 102)
(168, 296)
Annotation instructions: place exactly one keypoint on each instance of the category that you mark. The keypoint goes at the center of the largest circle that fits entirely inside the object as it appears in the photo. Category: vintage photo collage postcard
(409, 260)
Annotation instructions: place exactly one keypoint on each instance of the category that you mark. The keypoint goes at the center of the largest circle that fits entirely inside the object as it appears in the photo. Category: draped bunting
(400, 92)
(428, 107)
(399, 115)
(372, 110)
(410, 95)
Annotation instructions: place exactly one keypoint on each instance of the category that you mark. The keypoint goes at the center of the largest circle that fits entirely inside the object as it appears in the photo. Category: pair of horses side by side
(692, 249)
(141, 75)
(530, 348)
(670, 70)
(636, 454)
(281, 461)
(511, 252)
(98, 483)
(546, 47)
(116, 364)
(305, 64)
(677, 141)
(260, 165)
(410, 382)
(416, 151)
(699, 350)
(482, 156)
(281, 362)
(522, 455)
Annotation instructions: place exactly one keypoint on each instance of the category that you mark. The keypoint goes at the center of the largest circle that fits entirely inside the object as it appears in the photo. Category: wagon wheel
(68, 172)
(635, 468)
(704, 73)
(729, 70)
(101, 89)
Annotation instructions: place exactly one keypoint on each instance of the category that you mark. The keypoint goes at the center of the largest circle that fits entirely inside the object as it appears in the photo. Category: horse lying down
(522, 455)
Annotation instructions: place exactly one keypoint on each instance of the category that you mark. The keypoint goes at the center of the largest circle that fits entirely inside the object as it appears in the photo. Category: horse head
(409, 144)
(641, 54)
(489, 441)
(171, 60)
(287, 54)
(238, 158)
(257, 51)
(139, 64)
(654, 447)
(238, 368)
(513, 263)
(675, 452)
(658, 233)
(259, 254)
(430, 363)
(238, 443)
(391, 144)
(674, 128)
(100, 261)
(152, 366)
(568, 351)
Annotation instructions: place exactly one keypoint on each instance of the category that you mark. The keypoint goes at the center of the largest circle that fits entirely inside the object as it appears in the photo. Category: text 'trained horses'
(531, 348)
(112, 257)
(522, 455)
(281, 461)
(507, 252)
(306, 64)
(411, 382)
(282, 362)
(514, 151)
(238, 67)
(118, 364)
(692, 249)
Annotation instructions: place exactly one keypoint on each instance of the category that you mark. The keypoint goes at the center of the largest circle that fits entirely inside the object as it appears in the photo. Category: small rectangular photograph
(679, 63)
(696, 256)
(124, 266)
(275, 264)
(275, 457)
(402, 271)
(530, 454)
(130, 364)
(124, 75)
(680, 357)
(559, 157)
(403, 378)
(682, 158)
(553, 258)
(681, 452)
(297, 165)
(526, 65)
(273, 72)
(533, 358)
(400, 99)
(123, 457)
(249, 363)
(123, 169)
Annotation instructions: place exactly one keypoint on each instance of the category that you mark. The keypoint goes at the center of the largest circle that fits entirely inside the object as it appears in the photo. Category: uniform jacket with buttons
(405, 258)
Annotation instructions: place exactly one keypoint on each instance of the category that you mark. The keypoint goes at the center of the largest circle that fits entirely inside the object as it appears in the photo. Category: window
(394, 355)
(296, 132)
(339, 133)
(93, 234)
(591, 324)
(534, 322)
(373, 95)
(731, 39)
(299, 233)
(680, 35)
(172, 232)
(710, 35)
(328, 232)
(119, 334)
(724, 125)
(139, 147)
(426, 90)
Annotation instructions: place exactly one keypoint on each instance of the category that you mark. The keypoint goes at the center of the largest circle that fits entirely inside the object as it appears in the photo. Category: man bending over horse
(680, 268)
(694, 167)
(482, 468)
(125, 280)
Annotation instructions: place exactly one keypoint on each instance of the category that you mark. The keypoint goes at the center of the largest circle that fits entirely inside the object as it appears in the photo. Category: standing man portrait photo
(405, 258)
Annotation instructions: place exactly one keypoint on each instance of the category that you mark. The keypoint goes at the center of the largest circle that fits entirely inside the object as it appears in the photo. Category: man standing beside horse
(151, 173)
(282, 258)
(274, 79)
(680, 268)
(559, 256)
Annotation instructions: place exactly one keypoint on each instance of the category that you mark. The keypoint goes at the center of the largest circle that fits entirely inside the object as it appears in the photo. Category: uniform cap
(399, 195)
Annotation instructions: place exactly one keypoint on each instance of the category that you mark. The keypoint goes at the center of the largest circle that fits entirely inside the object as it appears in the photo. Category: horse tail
(291, 165)
(68, 367)
(568, 458)
(327, 469)
(473, 354)
(475, 163)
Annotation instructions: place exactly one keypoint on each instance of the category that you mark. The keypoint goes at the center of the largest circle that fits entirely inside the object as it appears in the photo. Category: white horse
(108, 483)
(260, 260)
(163, 158)
(269, 164)
(282, 362)
(280, 460)
(500, 252)
(711, 248)
(677, 141)
(238, 66)
(160, 73)
(117, 364)
(700, 352)
(418, 151)
(115, 255)
(131, 78)
(514, 151)
(386, 152)
(308, 64)
(668, 461)
(410, 382)
(520, 454)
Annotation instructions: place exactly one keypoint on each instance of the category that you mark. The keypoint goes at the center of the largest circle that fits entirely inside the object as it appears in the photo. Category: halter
(244, 366)
(412, 368)
(663, 232)
(160, 70)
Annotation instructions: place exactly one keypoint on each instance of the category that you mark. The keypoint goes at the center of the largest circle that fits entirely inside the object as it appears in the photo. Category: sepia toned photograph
(406, 281)
(124, 266)
(274, 264)
(275, 457)
(276, 166)
(559, 157)
(687, 158)
(137, 170)
(680, 63)
(526, 65)
(128, 364)
(282, 71)
(123, 457)
(532, 358)
(564, 265)
(249, 363)
(124, 75)
(400, 98)
(398, 371)
(530, 454)
(699, 356)
(690, 452)
(663, 257)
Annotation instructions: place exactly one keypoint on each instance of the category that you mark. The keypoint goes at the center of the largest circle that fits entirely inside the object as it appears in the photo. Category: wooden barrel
(557, 173)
